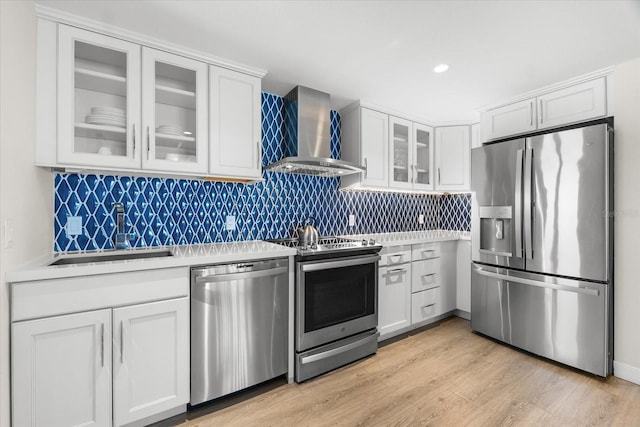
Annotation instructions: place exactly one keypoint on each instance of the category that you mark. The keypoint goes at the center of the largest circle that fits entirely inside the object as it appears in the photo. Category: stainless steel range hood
(307, 146)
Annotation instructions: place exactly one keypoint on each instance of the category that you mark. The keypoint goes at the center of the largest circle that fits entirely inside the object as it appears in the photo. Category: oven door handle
(330, 353)
(349, 262)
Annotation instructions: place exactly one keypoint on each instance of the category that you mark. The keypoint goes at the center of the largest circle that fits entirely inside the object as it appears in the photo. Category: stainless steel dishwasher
(239, 326)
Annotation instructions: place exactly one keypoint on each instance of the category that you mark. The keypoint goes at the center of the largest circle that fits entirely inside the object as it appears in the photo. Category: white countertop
(183, 256)
(414, 237)
(204, 254)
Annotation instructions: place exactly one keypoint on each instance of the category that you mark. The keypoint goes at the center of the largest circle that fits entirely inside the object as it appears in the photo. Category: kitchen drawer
(425, 251)
(425, 274)
(424, 305)
(395, 255)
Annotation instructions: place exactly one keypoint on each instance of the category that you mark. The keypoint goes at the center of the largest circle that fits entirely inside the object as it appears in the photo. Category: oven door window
(338, 295)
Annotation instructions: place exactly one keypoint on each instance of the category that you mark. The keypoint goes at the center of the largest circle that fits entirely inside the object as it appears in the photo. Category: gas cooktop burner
(330, 245)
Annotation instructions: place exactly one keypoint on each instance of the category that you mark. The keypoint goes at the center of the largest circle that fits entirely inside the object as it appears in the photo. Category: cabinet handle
(429, 254)
(148, 143)
(258, 155)
(428, 305)
(121, 342)
(397, 271)
(134, 140)
(438, 176)
(399, 259)
(415, 173)
(541, 113)
(102, 345)
(531, 114)
(366, 169)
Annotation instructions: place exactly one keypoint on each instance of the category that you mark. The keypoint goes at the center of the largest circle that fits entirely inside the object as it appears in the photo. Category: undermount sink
(111, 256)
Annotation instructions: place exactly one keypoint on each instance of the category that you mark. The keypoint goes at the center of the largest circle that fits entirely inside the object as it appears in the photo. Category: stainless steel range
(336, 306)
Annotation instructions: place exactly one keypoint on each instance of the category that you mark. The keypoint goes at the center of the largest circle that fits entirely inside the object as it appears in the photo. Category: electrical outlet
(73, 226)
(421, 219)
(352, 220)
(230, 223)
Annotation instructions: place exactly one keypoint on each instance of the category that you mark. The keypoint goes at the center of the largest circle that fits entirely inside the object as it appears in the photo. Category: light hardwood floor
(445, 376)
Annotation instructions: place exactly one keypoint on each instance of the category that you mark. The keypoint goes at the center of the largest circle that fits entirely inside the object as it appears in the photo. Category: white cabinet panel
(573, 104)
(61, 370)
(374, 142)
(448, 260)
(174, 97)
(394, 303)
(151, 359)
(452, 163)
(512, 119)
(463, 276)
(98, 104)
(235, 123)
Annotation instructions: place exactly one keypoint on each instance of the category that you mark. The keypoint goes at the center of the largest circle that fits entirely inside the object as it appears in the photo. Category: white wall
(26, 192)
(627, 221)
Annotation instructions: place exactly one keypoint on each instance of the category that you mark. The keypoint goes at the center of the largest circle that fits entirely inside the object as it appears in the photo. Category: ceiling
(383, 52)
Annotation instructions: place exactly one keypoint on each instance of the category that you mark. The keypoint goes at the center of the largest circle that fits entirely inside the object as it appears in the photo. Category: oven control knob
(364, 242)
(372, 242)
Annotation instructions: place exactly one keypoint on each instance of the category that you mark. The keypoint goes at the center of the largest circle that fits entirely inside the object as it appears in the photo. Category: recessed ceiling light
(441, 68)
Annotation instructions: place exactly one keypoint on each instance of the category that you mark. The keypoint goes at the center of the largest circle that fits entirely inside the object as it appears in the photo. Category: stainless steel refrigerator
(542, 230)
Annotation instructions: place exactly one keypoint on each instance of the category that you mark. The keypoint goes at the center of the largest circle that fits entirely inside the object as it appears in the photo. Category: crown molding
(61, 17)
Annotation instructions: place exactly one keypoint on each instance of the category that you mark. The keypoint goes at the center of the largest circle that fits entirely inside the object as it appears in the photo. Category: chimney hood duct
(307, 148)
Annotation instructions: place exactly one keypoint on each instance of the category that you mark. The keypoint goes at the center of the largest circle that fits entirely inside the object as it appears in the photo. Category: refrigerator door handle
(577, 290)
(518, 205)
(528, 226)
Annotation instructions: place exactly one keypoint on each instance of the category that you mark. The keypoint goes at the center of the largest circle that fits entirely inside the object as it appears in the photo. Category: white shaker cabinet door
(394, 299)
(374, 139)
(453, 152)
(512, 119)
(150, 359)
(98, 102)
(235, 124)
(62, 370)
(573, 104)
(175, 119)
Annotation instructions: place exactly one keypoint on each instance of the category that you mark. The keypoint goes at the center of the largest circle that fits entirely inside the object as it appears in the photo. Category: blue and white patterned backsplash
(165, 212)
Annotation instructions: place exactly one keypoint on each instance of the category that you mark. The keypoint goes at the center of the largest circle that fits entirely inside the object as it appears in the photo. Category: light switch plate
(74, 225)
(230, 223)
(352, 220)
(421, 219)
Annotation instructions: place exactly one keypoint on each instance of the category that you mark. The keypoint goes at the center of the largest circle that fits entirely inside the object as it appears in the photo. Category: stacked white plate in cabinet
(106, 116)
(170, 130)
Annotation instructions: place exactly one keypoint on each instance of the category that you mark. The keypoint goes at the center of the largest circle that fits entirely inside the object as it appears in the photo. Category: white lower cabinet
(124, 360)
(394, 292)
(61, 370)
(426, 281)
(425, 305)
(150, 359)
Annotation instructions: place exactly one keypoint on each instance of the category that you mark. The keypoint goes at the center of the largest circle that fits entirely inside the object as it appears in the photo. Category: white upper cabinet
(401, 145)
(572, 104)
(174, 99)
(422, 157)
(365, 141)
(235, 122)
(98, 100)
(511, 119)
(452, 162)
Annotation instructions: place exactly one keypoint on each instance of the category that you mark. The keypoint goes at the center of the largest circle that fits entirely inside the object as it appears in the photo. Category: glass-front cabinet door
(174, 105)
(422, 157)
(98, 100)
(400, 137)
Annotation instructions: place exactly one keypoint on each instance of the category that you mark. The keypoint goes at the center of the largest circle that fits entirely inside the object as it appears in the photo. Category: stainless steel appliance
(239, 325)
(542, 231)
(307, 139)
(336, 308)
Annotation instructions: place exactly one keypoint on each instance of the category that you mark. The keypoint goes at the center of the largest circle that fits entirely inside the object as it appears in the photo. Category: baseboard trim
(626, 372)
(462, 314)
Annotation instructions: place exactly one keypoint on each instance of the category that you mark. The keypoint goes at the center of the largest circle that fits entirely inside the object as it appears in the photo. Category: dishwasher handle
(217, 278)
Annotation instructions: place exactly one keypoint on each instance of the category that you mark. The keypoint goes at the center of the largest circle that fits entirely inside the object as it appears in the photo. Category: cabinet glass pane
(175, 113)
(100, 100)
(422, 156)
(400, 153)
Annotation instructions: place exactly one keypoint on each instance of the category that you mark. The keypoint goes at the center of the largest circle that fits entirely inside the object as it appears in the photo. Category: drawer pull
(429, 305)
(429, 254)
(429, 278)
(398, 259)
(397, 271)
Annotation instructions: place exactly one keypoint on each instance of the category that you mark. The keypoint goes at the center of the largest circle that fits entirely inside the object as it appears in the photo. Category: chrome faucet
(122, 239)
